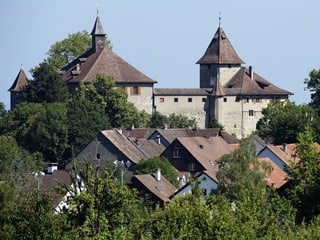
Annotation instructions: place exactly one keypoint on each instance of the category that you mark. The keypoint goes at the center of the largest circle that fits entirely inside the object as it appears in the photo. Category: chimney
(119, 130)
(52, 167)
(158, 175)
(251, 72)
(285, 148)
(158, 139)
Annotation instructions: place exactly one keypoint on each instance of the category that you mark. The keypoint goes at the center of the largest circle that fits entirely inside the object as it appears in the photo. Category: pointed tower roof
(20, 82)
(98, 28)
(220, 51)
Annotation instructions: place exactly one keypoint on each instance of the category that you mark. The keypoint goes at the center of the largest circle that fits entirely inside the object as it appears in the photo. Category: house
(207, 182)
(111, 145)
(154, 187)
(192, 155)
(283, 155)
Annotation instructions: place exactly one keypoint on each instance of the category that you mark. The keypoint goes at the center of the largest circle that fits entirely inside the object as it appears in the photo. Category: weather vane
(97, 5)
(219, 18)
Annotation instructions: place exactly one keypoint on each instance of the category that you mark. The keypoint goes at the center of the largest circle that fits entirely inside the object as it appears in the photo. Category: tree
(304, 188)
(85, 119)
(15, 160)
(38, 128)
(63, 52)
(46, 87)
(2, 110)
(313, 84)
(159, 120)
(283, 121)
(150, 165)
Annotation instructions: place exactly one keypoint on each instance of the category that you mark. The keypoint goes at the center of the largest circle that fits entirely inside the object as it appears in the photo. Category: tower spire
(219, 19)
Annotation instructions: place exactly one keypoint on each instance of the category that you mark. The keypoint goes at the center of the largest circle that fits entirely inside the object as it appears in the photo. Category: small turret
(98, 36)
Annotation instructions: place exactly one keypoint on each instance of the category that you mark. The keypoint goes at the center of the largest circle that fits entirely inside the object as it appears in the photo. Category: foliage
(85, 119)
(14, 159)
(103, 209)
(215, 124)
(150, 165)
(304, 188)
(39, 128)
(65, 51)
(2, 110)
(46, 87)
(313, 84)
(239, 172)
(120, 112)
(159, 120)
(283, 121)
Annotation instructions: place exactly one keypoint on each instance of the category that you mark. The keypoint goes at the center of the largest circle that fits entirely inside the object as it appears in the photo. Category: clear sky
(164, 39)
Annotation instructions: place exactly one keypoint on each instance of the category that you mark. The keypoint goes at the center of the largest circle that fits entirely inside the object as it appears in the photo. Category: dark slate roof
(163, 189)
(103, 62)
(98, 28)
(171, 134)
(220, 51)
(242, 84)
(20, 82)
(181, 91)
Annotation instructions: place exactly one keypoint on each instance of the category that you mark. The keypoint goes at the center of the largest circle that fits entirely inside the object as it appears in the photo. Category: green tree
(313, 84)
(159, 120)
(46, 87)
(304, 188)
(85, 119)
(283, 121)
(39, 128)
(15, 160)
(63, 52)
(2, 110)
(149, 166)
(104, 208)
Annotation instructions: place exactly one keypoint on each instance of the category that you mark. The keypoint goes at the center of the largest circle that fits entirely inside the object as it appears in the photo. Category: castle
(228, 92)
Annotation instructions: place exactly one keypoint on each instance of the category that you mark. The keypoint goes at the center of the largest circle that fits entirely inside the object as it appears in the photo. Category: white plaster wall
(227, 73)
(142, 101)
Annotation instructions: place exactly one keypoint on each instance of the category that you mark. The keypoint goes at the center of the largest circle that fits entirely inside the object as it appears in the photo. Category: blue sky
(164, 39)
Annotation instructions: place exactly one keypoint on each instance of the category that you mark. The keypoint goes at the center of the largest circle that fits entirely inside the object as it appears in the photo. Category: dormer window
(176, 152)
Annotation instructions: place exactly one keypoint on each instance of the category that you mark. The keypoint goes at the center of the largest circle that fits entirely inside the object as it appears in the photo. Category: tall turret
(19, 84)
(98, 36)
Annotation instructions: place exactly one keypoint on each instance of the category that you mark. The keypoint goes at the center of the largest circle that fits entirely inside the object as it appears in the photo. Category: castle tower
(17, 88)
(98, 36)
(220, 61)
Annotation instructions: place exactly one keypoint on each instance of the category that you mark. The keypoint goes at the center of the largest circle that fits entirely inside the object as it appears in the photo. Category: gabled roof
(242, 84)
(124, 145)
(98, 28)
(162, 189)
(138, 132)
(277, 177)
(171, 134)
(20, 82)
(206, 150)
(220, 51)
(102, 62)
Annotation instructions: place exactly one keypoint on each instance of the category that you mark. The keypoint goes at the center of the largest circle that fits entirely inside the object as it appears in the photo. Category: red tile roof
(277, 177)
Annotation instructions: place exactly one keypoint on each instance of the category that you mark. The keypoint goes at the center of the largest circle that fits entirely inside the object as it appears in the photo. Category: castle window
(245, 100)
(176, 99)
(204, 99)
(135, 90)
(162, 100)
(251, 112)
(98, 155)
(189, 99)
(225, 99)
(237, 99)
